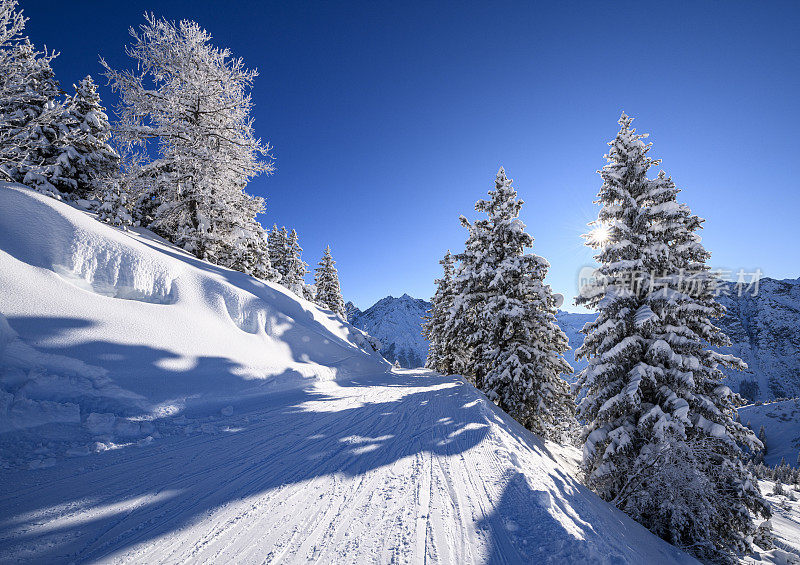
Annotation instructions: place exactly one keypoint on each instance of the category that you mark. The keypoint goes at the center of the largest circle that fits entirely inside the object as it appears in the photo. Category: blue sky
(389, 120)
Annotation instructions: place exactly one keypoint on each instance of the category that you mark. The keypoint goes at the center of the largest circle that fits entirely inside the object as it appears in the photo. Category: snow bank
(108, 337)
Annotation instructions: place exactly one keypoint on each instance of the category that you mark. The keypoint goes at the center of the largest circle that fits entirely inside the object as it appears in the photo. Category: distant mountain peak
(397, 323)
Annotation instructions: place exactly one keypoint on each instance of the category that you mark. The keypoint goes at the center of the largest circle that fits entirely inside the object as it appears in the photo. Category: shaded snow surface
(781, 421)
(159, 409)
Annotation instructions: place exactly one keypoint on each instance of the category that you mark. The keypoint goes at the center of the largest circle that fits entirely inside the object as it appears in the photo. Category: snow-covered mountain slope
(765, 331)
(781, 421)
(572, 324)
(170, 410)
(785, 524)
(116, 334)
(397, 324)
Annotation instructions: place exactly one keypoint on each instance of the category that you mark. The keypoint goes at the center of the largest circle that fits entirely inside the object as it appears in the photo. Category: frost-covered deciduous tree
(515, 349)
(30, 109)
(440, 351)
(326, 281)
(193, 100)
(662, 442)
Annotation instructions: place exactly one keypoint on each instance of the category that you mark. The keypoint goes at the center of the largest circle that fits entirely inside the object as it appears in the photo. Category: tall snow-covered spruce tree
(504, 315)
(193, 100)
(661, 442)
(30, 108)
(440, 351)
(87, 164)
(326, 280)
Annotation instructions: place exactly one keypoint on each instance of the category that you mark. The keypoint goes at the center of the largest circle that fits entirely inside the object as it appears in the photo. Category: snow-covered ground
(110, 337)
(392, 467)
(155, 408)
(785, 527)
(781, 422)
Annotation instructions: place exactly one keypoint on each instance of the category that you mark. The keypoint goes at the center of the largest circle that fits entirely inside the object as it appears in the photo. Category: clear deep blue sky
(390, 119)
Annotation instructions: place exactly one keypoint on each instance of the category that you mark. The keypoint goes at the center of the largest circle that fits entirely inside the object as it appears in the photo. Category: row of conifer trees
(659, 431)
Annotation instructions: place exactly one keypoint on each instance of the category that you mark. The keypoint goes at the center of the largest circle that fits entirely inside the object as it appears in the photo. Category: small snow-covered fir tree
(278, 241)
(516, 356)
(86, 162)
(250, 253)
(113, 203)
(193, 100)
(762, 437)
(326, 281)
(296, 268)
(661, 442)
(440, 351)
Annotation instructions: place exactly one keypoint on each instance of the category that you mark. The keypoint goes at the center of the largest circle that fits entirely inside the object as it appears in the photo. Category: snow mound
(109, 336)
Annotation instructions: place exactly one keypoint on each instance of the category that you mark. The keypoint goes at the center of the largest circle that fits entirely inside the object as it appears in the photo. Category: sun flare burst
(600, 235)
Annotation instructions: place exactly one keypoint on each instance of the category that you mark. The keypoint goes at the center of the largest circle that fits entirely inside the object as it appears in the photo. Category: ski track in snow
(404, 467)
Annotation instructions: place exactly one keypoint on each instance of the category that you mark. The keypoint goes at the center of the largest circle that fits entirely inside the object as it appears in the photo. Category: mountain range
(761, 322)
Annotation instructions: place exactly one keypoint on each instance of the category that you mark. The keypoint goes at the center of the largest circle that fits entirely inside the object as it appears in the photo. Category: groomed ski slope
(159, 409)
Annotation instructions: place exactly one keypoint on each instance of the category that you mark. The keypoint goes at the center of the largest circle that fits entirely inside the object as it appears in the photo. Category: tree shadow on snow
(123, 497)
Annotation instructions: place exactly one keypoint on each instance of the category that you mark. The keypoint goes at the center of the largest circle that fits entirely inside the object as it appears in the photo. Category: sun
(600, 235)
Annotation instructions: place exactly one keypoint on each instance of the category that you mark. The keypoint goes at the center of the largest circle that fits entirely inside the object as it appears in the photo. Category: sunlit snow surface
(156, 408)
(785, 527)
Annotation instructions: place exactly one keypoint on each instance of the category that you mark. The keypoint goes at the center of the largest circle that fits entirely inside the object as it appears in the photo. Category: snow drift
(118, 333)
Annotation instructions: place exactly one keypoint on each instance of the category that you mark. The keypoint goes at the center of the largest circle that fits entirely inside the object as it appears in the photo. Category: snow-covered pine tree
(440, 352)
(326, 280)
(192, 99)
(517, 358)
(250, 253)
(113, 204)
(296, 268)
(462, 331)
(12, 25)
(86, 162)
(278, 241)
(661, 442)
(30, 109)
